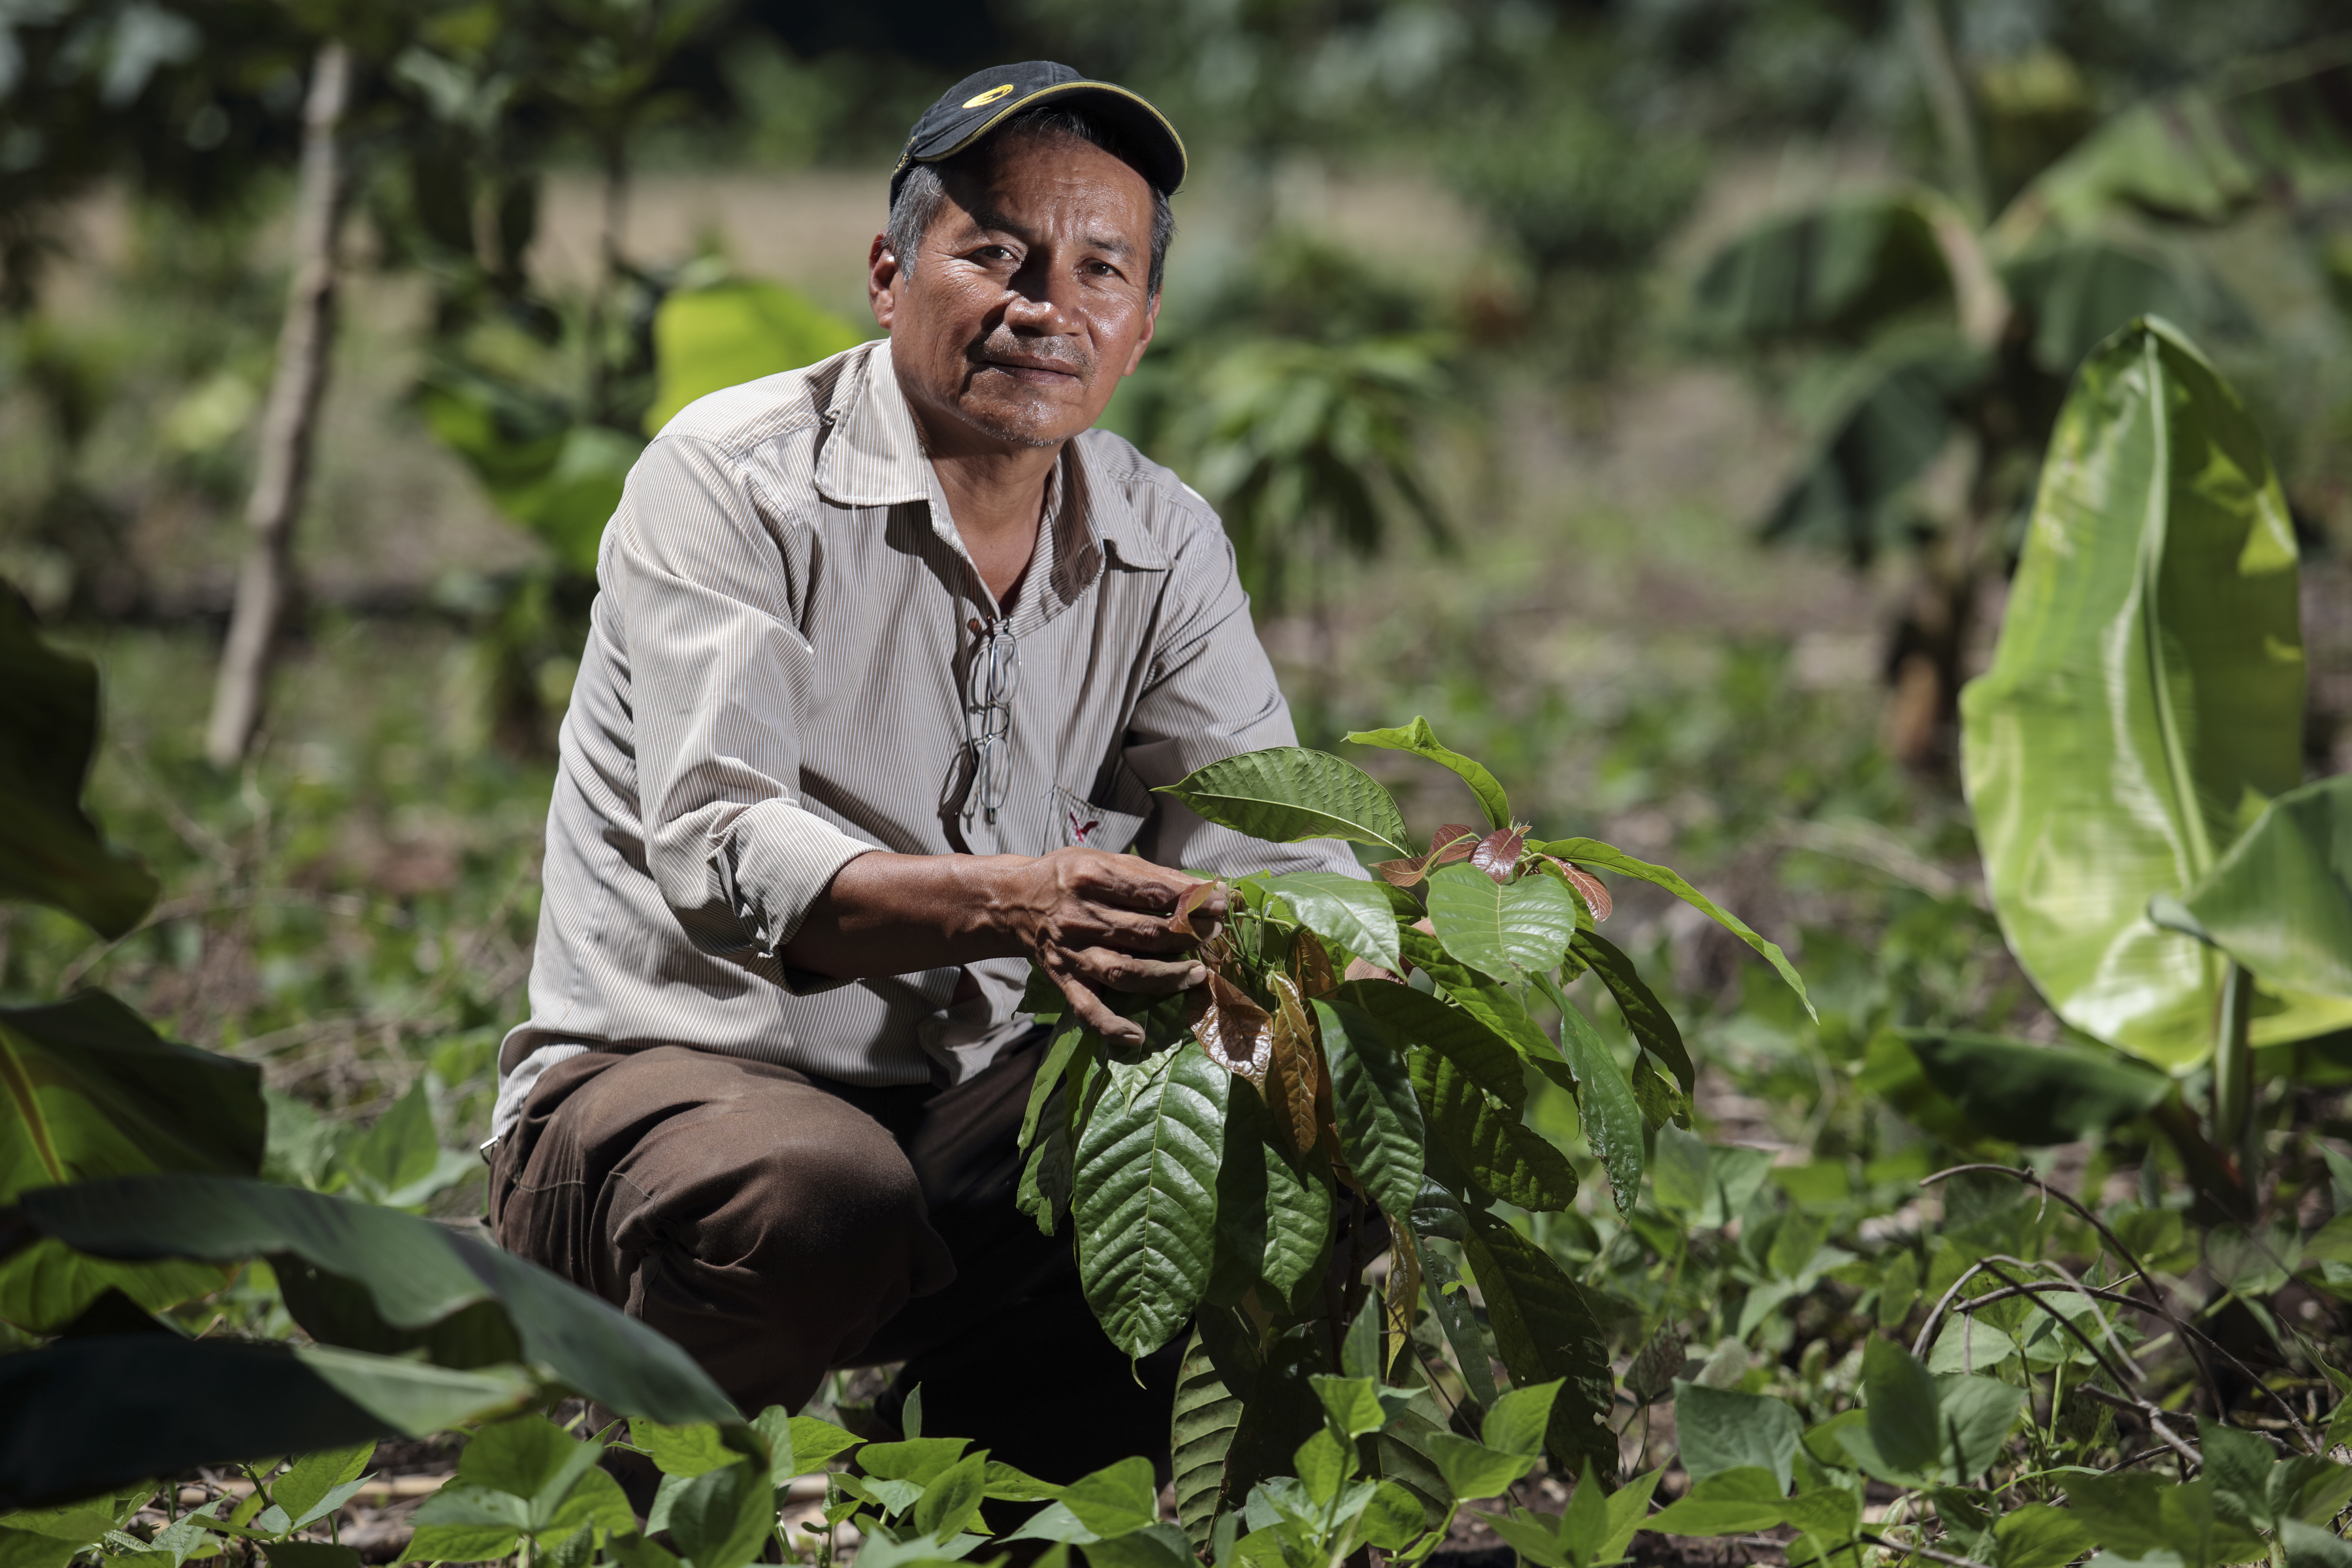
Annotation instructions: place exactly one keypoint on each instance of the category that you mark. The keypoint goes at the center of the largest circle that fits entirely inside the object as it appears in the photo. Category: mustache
(1058, 353)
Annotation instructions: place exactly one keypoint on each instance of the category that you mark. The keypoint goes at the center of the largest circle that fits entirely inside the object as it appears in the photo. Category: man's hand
(1096, 921)
(1092, 920)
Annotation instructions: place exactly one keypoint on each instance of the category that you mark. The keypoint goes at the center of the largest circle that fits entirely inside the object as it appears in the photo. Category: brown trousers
(777, 1226)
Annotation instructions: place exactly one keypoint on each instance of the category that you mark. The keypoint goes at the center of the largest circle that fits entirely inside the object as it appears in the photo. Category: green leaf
(1473, 1470)
(411, 1274)
(727, 333)
(1647, 1017)
(1506, 1158)
(1393, 1519)
(1840, 269)
(1977, 1413)
(2308, 1546)
(1732, 1502)
(951, 1503)
(724, 1518)
(2035, 1094)
(801, 1445)
(1905, 1428)
(1348, 913)
(1722, 1430)
(304, 1490)
(1068, 1036)
(1117, 1500)
(1454, 1315)
(2038, 1535)
(1146, 1202)
(1516, 1422)
(1593, 852)
(399, 1161)
(50, 851)
(2077, 293)
(1289, 794)
(1485, 1000)
(1420, 739)
(1502, 930)
(1380, 1129)
(1546, 1330)
(1966, 1344)
(688, 1449)
(1611, 1115)
(1273, 1206)
(1409, 1018)
(2280, 900)
(1200, 1435)
(2146, 698)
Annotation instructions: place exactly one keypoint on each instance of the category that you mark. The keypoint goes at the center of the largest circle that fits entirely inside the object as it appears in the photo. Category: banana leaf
(2145, 701)
(2279, 901)
(738, 330)
(1843, 269)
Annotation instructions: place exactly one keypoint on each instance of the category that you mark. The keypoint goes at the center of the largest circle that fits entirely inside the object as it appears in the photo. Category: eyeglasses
(995, 676)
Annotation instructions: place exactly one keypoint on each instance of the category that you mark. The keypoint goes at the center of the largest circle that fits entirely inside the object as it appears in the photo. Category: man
(888, 655)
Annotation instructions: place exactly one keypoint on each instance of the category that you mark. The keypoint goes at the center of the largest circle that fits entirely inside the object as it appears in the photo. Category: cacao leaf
(1287, 793)
(1381, 1130)
(1450, 1306)
(1294, 1077)
(1497, 854)
(1310, 966)
(1588, 886)
(1482, 999)
(1593, 852)
(1274, 1207)
(1611, 1116)
(1420, 739)
(1348, 913)
(1201, 1434)
(1145, 1204)
(1546, 1330)
(1510, 1160)
(1644, 1013)
(1506, 931)
(1234, 1032)
(1410, 1018)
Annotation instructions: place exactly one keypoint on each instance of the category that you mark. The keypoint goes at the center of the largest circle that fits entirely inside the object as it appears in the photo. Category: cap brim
(1152, 137)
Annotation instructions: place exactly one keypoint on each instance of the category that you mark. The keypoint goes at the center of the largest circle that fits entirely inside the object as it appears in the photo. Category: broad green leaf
(1323, 1463)
(1201, 1433)
(688, 1449)
(399, 1161)
(1546, 1330)
(2146, 698)
(1505, 1157)
(951, 1503)
(1273, 1208)
(1977, 1413)
(1410, 1018)
(2038, 1535)
(1473, 1470)
(1068, 1036)
(2280, 900)
(1705, 1184)
(1721, 1430)
(1348, 913)
(728, 333)
(1393, 1519)
(82, 1415)
(800, 1445)
(1117, 1500)
(2035, 1094)
(561, 482)
(1904, 1427)
(1593, 852)
(1516, 1422)
(1451, 1307)
(412, 1274)
(1381, 1130)
(1965, 1343)
(1485, 1000)
(1838, 271)
(314, 1476)
(1644, 1013)
(1605, 1104)
(724, 1518)
(50, 851)
(1420, 739)
(1502, 930)
(1732, 1502)
(1154, 1546)
(2308, 1546)
(1146, 1203)
(921, 1460)
(1289, 794)
(2077, 293)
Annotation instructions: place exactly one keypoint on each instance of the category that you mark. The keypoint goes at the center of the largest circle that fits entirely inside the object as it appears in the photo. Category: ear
(1150, 324)
(883, 276)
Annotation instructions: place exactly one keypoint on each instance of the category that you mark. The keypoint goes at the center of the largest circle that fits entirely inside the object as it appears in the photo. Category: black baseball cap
(986, 99)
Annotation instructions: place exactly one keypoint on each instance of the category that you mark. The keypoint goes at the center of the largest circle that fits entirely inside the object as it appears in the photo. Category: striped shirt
(785, 666)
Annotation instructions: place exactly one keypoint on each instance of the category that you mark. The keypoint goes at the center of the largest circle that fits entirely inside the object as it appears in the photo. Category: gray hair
(921, 193)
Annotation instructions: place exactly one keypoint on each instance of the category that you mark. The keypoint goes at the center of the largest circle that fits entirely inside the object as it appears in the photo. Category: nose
(1043, 298)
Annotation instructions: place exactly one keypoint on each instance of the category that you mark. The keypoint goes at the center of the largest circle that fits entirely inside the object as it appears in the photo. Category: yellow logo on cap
(991, 95)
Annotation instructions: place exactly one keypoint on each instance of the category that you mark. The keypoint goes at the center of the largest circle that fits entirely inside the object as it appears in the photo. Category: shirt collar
(876, 458)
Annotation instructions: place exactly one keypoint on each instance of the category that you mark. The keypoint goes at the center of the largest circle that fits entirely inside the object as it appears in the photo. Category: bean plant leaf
(1593, 852)
(1410, 1018)
(1346, 913)
(2033, 1094)
(1721, 1429)
(50, 851)
(1380, 1129)
(1506, 1158)
(2145, 700)
(1546, 1330)
(1505, 931)
(1421, 742)
(411, 1274)
(1146, 1202)
(2280, 900)
(1644, 1013)
(1289, 794)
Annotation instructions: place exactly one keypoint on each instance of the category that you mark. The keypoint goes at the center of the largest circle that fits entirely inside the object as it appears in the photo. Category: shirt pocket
(1073, 820)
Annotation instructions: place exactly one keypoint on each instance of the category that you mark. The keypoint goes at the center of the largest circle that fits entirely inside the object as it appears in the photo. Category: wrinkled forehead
(1046, 181)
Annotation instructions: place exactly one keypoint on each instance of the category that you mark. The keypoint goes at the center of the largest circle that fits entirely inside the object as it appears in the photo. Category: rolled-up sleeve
(1210, 694)
(718, 673)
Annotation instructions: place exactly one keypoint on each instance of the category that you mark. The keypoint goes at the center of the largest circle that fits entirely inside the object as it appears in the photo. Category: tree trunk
(264, 586)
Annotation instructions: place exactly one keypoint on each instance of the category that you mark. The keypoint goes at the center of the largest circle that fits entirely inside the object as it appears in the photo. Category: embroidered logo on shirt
(1079, 831)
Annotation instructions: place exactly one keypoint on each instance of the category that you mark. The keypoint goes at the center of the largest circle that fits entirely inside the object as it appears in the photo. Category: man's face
(1028, 299)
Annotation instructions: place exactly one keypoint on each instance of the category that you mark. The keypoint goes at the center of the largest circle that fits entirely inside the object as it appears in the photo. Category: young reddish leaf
(1402, 873)
(1180, 922)
(1235, 1032)
(1294, 1078)
(1588, 886)
(1497, 854)
(1311, 966)
(1453, 842)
